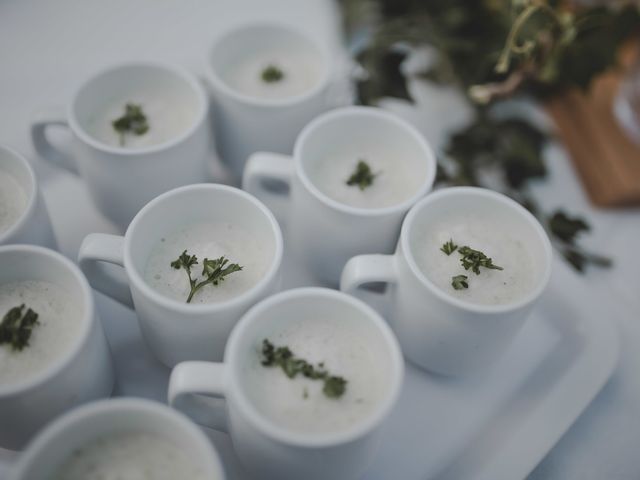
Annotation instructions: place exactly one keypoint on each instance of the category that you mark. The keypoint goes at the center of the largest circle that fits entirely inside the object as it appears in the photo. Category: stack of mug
(302, 380)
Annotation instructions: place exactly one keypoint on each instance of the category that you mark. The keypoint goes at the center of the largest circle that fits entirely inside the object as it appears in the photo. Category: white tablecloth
(47, 48)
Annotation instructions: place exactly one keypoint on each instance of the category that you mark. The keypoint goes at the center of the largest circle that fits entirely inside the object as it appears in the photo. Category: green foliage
(512, 146)
(514, 149)
(492, 49)
(587, 47)
(390, 84)
(566, 230)
(510, 45)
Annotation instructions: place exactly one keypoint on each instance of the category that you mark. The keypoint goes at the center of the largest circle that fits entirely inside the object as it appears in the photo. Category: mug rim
(249, 100)
(110, 407)
(188, 308)
(87, 318)
(530, 297)
(262, 423)
(174, 69)
(31, 203)
(354, 111)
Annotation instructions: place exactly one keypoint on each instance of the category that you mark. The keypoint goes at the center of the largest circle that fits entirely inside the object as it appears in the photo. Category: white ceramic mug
(174, 330)
(324, 232)
(49, 450)
(437, 331)
(267, 449)
(246, 123)
(81, 374)
(122, 180)
(33, 225)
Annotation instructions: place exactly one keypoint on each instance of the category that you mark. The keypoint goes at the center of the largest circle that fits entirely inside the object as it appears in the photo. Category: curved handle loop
(100, 248)
(197, 389)
(364, 269)
(39, 125)
(268, 177)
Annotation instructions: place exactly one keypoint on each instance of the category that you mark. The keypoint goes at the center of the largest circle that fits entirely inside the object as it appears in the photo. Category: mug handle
(101, 247)
(197, 389)
(363, 269)
(41, 121)
(265, 167)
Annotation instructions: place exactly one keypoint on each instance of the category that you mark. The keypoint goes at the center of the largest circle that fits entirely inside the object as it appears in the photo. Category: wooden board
(607, 160)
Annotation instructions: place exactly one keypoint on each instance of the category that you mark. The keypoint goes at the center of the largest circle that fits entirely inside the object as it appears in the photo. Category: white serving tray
(495, 427)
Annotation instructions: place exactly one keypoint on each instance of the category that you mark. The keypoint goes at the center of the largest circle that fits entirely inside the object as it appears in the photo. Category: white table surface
(47, 47)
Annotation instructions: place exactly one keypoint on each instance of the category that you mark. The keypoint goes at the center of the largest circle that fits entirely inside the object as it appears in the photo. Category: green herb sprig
(474, 259)
(272, 74)
(470, 259)
(134, 121)
(17, 326)
(283, 357)
(214, 271)
(362, 176)
(459, 282)
(449, 247)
